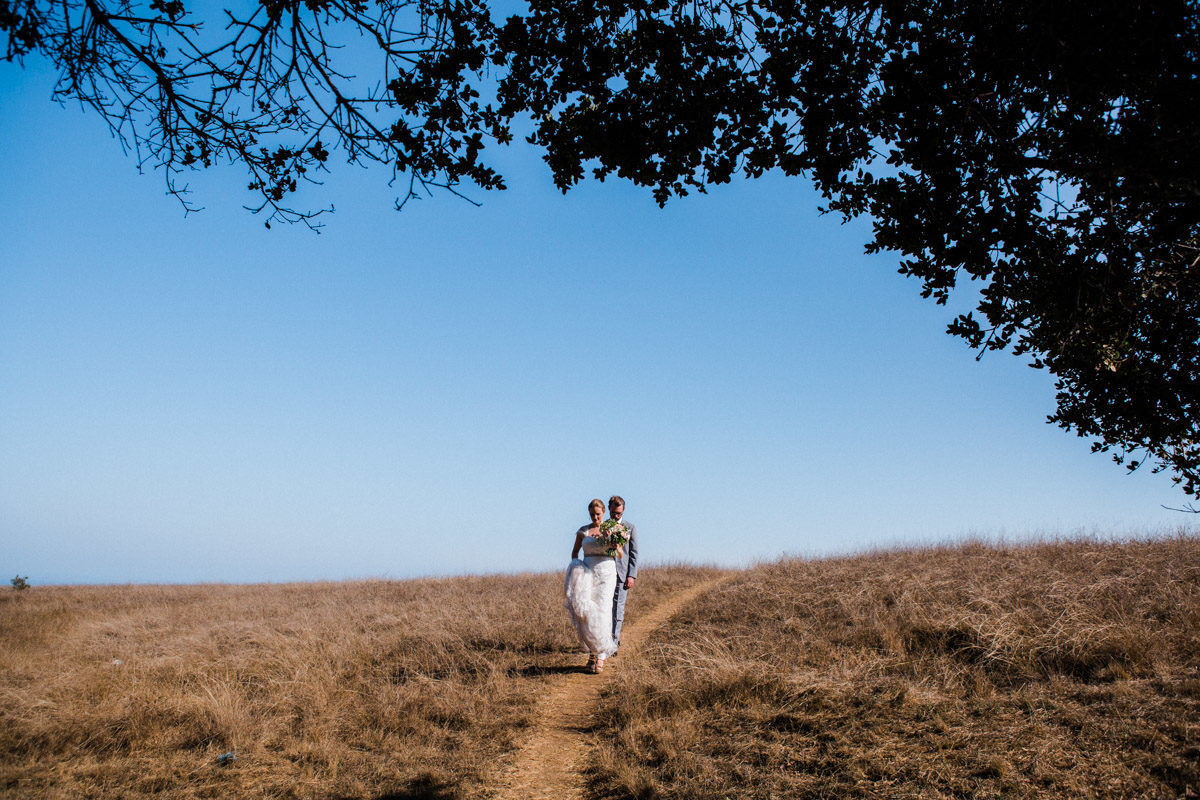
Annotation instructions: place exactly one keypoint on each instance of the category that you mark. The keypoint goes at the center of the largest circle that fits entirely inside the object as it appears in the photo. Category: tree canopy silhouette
(1045, 152)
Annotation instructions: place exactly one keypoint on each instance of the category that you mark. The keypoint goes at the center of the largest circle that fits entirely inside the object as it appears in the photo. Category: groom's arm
(631, 571)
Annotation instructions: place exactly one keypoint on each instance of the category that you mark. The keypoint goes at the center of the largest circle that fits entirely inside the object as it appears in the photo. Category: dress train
(590, 584)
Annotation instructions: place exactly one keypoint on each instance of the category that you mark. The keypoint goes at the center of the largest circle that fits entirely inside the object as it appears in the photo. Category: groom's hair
(616, 500)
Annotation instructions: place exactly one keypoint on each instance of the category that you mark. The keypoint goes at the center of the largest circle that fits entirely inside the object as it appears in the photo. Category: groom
(626, 567)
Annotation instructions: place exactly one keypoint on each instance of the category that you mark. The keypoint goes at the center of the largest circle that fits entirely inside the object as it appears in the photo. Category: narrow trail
(549, 765)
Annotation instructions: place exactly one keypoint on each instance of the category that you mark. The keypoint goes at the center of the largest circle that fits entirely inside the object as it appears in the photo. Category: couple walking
(597, 583)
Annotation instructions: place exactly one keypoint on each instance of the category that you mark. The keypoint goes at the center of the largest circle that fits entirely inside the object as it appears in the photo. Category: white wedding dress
(590, 585)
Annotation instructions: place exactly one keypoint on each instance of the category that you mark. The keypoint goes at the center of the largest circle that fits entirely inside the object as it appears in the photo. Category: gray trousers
(619, 609)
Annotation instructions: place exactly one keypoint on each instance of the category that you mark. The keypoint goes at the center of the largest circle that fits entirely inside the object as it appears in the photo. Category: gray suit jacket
(627, 564)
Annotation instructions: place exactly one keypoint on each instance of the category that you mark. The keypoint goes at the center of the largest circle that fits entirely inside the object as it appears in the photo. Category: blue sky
(442, 390)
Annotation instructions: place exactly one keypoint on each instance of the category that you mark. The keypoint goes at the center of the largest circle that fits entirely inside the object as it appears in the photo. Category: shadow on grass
(425, 788)
(537, 670)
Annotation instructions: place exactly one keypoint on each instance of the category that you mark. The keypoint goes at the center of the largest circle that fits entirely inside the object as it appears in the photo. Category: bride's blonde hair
(594, 503)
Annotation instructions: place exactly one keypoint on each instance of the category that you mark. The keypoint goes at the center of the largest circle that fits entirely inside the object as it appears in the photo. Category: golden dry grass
(1064, 670)
(374, 689)
(1054, 670)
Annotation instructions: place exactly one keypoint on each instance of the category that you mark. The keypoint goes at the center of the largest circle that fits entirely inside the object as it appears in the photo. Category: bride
(590, 585)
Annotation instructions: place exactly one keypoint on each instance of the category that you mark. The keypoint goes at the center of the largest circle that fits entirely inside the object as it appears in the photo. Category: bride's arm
(578, 544)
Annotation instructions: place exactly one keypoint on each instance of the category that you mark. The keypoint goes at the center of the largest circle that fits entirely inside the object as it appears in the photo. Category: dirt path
(549, 765)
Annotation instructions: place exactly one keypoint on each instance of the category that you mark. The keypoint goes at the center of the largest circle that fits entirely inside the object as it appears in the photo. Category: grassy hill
(1067, 670)
(326, 690)
(1056, 670)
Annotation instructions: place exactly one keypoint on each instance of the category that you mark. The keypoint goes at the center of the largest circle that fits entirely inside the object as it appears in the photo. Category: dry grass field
(1067, 670)
(339, 690)
(1059, 670)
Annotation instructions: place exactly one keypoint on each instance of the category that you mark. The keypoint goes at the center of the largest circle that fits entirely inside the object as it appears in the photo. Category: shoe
(599, 666)
(591, 664)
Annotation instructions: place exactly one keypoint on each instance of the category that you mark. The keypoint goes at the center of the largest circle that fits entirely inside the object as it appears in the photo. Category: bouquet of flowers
(613, 534)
